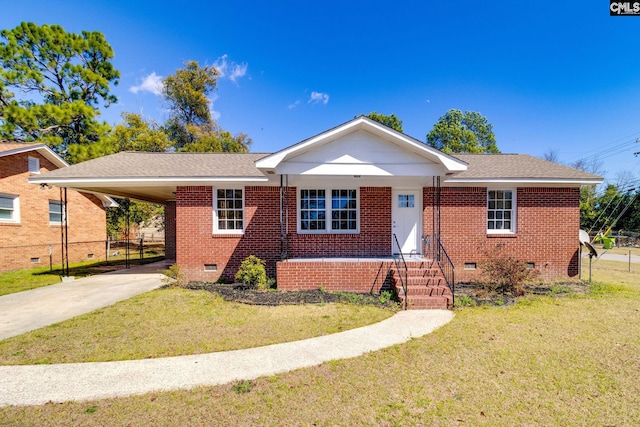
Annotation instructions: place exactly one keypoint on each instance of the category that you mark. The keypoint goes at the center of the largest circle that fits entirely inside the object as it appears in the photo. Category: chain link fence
(105, 252)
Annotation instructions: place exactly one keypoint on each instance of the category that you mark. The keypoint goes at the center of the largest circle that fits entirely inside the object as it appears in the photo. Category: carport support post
(64, 232)
(126, 230)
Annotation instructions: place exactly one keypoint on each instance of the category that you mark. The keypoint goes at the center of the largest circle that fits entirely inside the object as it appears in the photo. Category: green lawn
(173, 322)
(545, 361)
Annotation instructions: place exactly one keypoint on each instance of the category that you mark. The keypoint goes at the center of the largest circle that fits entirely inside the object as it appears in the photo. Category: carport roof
(154, 177)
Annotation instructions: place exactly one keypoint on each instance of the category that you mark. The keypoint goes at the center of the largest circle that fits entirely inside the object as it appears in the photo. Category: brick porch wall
(362, 276)
(548, 220)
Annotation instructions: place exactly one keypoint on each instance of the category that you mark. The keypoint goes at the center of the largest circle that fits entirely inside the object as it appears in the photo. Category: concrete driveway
(25, 311)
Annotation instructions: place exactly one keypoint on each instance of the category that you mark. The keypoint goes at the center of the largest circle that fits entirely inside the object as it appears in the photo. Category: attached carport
(154, 177)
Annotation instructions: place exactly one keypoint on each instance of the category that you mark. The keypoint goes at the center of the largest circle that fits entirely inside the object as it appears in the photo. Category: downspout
(281, 221)
(286, 222)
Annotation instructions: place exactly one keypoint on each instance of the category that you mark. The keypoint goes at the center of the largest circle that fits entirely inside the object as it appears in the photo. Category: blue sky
(549, 75)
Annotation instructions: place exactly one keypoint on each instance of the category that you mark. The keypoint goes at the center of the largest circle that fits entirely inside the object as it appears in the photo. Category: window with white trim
(56, 212)
(325, 210)
(228, 210)
(9, 208)
(34, 164)
(501, 211)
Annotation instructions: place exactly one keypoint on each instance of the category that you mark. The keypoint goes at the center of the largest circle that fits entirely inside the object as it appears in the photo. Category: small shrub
(175, 277)
(465, 301)
(385, 297)
(252, 273)
(506, 274)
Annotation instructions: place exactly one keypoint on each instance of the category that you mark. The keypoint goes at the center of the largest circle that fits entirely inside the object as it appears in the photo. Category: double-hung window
(323, 210)
(501, 211)
(228, 210)
(9, 208)
(56, 212)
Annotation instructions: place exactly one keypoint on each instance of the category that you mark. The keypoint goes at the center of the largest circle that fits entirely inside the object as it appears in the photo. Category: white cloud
(319, 97)
(293, 105)
(151, 83)
(229, 69)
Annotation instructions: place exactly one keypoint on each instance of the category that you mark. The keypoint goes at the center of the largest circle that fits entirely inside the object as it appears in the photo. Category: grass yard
(172, 322)
(23, 280)
(544, 361)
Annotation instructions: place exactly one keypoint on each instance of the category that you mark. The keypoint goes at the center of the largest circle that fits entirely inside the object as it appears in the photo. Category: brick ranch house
(338, 209)
(31, 216)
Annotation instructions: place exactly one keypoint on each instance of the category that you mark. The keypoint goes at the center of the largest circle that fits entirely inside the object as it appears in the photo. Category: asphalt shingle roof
(201, 165)
(165, 165)
(516, 166)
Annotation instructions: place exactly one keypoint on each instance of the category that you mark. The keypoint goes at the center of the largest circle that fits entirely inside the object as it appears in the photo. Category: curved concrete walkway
(39, 384)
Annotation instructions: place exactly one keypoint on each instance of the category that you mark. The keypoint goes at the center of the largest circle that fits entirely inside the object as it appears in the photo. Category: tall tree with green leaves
(190, 126)
(134, 133)
(391, 121)
(458, 132)
(212, 139)
(52, 84)
(187, 94)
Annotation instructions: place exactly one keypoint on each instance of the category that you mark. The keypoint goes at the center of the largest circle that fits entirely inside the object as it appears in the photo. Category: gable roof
(518, 168)
(451, 164)
(13, 148)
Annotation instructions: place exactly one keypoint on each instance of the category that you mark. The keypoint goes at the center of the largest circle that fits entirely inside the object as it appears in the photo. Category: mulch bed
(237, 292)
(482, 297)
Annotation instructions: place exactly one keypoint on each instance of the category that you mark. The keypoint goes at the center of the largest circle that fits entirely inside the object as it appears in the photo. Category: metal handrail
(404, 281)
(446, 266)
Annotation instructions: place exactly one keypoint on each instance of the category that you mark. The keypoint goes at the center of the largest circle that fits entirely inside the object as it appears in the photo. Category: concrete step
(424, 290)
(422, 302)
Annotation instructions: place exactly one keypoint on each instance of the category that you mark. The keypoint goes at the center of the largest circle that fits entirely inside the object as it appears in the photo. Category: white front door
(406, 221)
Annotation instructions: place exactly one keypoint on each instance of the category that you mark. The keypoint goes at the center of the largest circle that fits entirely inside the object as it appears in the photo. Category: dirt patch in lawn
(241, 293)
(476, 294)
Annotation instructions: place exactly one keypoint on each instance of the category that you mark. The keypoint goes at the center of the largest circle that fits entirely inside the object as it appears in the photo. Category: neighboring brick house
(31, 215)
(336, 209)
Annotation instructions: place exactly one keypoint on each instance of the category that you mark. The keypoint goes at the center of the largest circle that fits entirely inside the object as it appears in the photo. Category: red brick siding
(19, 242)
(548, 220)
(547, 224)
(197, 244)
(374, 239)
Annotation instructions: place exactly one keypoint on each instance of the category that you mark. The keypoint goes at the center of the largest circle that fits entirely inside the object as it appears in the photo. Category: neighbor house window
(56, 213)
(228, 210)
(328, 211)
(501, 213)
(9, 208)
(34, 164)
